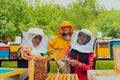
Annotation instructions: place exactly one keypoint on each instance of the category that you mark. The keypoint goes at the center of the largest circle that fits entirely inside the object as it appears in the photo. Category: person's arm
(51, 45)
(89, 66)
(83, 66)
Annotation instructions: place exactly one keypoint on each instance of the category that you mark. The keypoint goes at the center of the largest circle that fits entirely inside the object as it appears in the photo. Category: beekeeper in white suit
(34, 42)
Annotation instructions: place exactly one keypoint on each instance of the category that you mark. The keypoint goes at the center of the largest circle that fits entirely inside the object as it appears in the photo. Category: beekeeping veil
(85, 47)
(27, 40)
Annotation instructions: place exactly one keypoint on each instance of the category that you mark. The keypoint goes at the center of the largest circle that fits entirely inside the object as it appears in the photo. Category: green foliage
(20, 15)
(6, 27)
(109, 24)
(12, 13)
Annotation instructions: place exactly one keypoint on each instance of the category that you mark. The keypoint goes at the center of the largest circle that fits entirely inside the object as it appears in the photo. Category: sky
(108, 4)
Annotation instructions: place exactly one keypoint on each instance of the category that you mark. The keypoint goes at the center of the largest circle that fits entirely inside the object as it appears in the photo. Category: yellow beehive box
(102, 49)
(103, 52)
(14, 47)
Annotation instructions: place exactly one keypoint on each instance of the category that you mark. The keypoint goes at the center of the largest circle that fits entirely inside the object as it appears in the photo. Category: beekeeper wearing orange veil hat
(61, 42)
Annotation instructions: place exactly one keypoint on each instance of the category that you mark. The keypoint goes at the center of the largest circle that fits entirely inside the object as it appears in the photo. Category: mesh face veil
(83, 38)
(83, 41)
(40, 40)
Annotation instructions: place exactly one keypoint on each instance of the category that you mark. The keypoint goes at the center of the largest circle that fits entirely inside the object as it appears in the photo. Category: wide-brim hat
(66, 24)
(36, 31)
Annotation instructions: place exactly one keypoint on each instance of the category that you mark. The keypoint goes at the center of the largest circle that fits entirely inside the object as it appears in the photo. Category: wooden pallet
(62, 77)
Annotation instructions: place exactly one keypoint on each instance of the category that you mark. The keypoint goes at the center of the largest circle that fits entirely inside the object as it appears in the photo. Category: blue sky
(108, 4)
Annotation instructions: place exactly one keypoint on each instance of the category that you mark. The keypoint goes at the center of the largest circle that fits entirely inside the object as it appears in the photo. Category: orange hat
(68, 24)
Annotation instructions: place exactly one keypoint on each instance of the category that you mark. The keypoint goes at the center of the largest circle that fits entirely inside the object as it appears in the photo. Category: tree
(108, 23)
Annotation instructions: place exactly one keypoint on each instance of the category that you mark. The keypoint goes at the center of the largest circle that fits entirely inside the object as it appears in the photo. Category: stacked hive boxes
(112, 44)
(13, 50)
(102, 49)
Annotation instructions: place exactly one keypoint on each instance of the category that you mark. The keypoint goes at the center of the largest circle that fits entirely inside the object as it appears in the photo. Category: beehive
(116, 50)
(4, 52)
(62, 77)
(14, 47)
(13, 50)
(102, 49)
(112, 44)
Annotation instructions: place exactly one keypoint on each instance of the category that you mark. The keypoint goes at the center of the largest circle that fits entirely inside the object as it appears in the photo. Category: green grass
(9, 64)
(104, 64)
(53, 67)
(13, 64)
(100, 65)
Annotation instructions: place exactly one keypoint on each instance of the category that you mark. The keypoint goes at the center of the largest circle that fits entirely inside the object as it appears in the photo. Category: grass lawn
(100, 65)
(13, 64)
(104, 64)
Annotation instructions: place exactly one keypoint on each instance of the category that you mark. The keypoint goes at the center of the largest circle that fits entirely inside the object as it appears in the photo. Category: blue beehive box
(113, 43)
(4, 52)
(5, 70)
